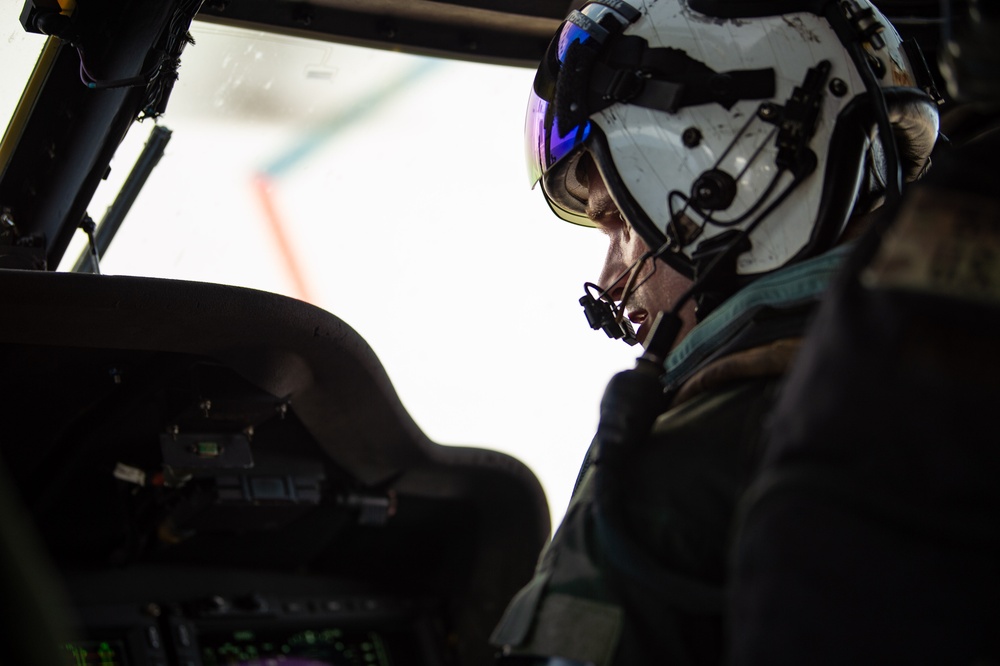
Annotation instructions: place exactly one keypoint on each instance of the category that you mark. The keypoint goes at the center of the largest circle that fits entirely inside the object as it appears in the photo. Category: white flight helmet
(725, 127)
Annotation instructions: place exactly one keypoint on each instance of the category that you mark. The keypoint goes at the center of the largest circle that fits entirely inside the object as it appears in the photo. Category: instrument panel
(225, 476)
(256, 629)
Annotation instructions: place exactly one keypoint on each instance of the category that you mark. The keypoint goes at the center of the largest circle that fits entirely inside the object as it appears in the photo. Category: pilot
(728, 150)
(890, 480)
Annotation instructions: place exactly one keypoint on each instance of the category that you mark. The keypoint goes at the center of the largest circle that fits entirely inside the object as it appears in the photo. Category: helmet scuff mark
(796, 24)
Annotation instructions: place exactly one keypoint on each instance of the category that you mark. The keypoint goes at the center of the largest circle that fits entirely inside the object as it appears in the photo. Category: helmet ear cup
(846, 191)
(914, 119)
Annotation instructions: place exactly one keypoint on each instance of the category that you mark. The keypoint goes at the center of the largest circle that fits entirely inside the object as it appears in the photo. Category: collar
(785, 288)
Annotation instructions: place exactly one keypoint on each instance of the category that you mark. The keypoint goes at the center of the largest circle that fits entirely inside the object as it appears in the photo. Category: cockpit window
(19, 51)
(387, 189)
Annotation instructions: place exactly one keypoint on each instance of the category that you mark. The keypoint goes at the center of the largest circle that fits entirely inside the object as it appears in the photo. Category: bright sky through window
(389, 190)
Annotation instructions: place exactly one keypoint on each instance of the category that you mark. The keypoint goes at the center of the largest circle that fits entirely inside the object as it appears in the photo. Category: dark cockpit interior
(205, 461)
(196, 473)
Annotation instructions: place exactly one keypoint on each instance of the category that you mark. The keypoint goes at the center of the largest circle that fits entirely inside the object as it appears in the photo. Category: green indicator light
(208, 449)
(244, 635)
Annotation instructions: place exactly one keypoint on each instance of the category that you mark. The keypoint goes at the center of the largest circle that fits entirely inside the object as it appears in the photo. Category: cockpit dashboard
(225, 476)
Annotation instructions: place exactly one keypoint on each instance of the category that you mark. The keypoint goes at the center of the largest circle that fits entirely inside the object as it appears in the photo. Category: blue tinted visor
(545, 149)
(553, 135)
(545, 145)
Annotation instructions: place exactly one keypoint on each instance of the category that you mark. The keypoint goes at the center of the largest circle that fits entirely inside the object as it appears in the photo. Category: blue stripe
(787, 287)
(359, 110)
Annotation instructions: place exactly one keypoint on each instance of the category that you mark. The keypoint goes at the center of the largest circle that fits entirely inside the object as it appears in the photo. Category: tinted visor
(556, 125)
(547, 150)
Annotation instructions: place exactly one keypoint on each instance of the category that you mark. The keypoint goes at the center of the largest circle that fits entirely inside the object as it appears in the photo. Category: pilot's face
(657, 289)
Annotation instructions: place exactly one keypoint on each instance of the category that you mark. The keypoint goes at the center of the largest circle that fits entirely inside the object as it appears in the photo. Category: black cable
(851, 39)
(697, 284)
(736, 138)
(725, 224)
(93, 82)
(894, 175)
(674, 223)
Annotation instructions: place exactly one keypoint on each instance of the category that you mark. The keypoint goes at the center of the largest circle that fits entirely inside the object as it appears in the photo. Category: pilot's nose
(613, 274)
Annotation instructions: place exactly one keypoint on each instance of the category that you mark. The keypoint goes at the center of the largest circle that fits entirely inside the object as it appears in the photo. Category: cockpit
(227, 290)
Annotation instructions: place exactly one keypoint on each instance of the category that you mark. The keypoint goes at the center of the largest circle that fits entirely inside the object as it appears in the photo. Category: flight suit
(870, 534)
(637, 572)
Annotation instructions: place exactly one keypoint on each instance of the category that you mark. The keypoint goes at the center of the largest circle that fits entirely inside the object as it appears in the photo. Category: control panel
(257, 630)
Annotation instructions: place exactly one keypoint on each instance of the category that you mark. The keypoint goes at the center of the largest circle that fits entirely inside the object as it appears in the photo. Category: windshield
(19, 52)
(389, 190)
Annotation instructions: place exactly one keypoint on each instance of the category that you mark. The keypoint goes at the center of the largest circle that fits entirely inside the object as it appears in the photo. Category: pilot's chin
(643, 331)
